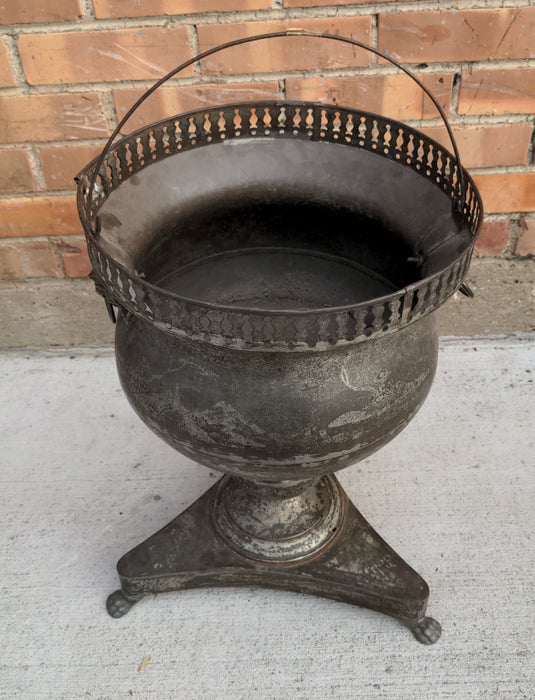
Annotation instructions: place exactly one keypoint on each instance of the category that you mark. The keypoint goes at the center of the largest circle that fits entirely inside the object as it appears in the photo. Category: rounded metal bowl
(276, 266)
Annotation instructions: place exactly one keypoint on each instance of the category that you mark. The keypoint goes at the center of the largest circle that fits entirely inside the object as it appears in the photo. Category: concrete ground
(82, 481)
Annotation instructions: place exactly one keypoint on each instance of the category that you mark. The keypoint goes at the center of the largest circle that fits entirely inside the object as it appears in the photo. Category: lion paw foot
(118, 604)
(427, 630)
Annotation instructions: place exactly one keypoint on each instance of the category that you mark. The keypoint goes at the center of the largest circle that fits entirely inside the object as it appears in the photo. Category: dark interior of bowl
(281, 255)
(281, 224)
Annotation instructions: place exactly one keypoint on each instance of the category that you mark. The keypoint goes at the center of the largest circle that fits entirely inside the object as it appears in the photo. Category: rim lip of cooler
(122, 286)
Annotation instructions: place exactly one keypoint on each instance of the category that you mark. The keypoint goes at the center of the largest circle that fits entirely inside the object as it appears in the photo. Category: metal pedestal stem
(305, 537)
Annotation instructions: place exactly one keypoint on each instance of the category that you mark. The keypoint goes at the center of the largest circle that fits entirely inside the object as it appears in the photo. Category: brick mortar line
(57, 256)
(260, 77)
(374, 39)
(87, 9)
(110, 113)
(58, 143)
(34, 157)
(21, 282)
(455, 91)
(32, 280)
(74, 237)
(15, 62)
(270, 14)
(507, 216)
(38, 194)
(503, 170)
(460, 120)
(509, 250)
(194, 47)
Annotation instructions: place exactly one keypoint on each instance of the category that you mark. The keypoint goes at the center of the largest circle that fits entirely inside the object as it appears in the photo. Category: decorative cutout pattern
(258, 329)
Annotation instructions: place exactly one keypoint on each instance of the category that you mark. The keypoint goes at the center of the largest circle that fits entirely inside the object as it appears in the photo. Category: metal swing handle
(273, 35)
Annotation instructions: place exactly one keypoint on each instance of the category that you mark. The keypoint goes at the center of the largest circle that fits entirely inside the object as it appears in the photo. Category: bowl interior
(281, 224)
(279, 255)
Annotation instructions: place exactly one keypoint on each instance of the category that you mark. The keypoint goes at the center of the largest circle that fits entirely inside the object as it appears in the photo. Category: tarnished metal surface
(275, 267)
(275, 416)
(356, 567)
(277, 525)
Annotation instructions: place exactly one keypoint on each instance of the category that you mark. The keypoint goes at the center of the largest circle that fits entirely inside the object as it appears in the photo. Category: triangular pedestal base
(356, 567)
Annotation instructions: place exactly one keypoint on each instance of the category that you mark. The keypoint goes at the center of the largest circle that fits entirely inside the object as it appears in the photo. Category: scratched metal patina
(273, 269)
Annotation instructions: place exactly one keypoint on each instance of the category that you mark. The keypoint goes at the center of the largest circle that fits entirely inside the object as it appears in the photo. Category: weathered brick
(6, 74)
(51, 117)
(488, 145)
(103, 56)
(147, 8)
(23, 259)
(62, 163)
(463, 35)
(396, 96)
(38, 216)
(286, 53)
(16, 172)
(507, 192)
(508, 91)
(167, 102)
(75, 258)
(525, 244)
(24, 11)
(493, 239)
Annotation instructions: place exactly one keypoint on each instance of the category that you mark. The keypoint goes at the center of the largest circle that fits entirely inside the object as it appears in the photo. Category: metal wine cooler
(273, 269)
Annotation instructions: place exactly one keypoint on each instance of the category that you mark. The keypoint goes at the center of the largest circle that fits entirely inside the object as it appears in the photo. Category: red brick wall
(69, 68)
